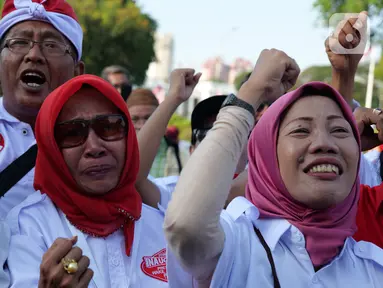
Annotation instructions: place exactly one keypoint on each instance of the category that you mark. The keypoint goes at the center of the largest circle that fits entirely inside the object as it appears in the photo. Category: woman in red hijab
(86, 170)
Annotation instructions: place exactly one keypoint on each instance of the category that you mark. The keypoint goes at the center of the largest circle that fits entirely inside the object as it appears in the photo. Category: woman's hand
(274, 74)
(52, 272)
(365, 117)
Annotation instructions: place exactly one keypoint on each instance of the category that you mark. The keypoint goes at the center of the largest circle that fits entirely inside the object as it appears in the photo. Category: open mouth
(324, 168)
(33, 78)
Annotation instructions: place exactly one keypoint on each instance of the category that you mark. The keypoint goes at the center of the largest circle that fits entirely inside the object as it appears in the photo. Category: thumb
(74, 239)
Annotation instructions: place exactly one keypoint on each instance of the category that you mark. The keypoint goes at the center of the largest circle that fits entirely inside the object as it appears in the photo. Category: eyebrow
(44, 34)
(309, 119)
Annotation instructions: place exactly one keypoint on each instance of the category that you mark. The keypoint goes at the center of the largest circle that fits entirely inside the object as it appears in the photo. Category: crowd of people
(96, 191)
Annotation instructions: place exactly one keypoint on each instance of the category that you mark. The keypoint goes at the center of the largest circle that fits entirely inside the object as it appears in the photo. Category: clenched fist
(182, 83)
(274, 74)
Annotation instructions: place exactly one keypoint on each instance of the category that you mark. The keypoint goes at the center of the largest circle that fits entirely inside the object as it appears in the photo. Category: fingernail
(74, 239)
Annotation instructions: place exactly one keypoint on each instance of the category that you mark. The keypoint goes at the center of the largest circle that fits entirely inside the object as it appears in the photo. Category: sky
(243, 28)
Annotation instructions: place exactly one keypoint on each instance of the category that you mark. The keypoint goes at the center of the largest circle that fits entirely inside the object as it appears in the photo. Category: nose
(322, 142)
(35, 55)
(93, 146)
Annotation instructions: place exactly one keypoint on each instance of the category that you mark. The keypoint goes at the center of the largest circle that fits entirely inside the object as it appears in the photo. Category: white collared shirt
(37, 223)
(244, 263)
(16, 138)
(5, 236)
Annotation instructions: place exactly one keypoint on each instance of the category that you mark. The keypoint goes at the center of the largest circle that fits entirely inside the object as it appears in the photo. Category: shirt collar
(5, 115)
(272, 230)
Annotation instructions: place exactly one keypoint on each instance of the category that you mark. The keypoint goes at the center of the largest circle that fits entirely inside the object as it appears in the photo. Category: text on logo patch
(155, 266)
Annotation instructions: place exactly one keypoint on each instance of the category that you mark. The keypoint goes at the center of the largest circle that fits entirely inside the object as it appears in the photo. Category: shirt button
(24, 131)
(315, 280)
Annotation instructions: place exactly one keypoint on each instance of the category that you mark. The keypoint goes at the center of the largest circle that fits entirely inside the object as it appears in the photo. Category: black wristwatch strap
(232, 100)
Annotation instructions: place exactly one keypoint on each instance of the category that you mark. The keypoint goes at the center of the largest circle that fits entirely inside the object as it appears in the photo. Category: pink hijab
(325, 230)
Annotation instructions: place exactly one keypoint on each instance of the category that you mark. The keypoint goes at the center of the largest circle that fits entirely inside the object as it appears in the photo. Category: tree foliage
(183, 125)
(115, 32)
(240, 77)
(374, 8)
(323, 74)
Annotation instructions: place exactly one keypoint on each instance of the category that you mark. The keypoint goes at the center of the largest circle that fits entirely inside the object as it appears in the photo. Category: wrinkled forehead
(87, 103)
(36, 30)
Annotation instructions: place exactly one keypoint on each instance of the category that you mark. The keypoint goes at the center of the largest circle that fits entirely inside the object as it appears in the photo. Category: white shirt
(15, 138)
(37, 223)
(244, 263)
(168, 183)
(5, 236)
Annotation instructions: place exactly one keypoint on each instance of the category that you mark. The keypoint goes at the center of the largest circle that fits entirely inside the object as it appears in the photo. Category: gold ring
(377, 111)
(70, 265)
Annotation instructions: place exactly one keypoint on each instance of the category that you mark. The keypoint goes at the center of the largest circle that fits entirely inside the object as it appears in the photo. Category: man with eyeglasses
(40, 49)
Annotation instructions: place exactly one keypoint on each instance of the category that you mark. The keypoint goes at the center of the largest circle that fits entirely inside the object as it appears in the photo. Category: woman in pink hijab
(295, 225)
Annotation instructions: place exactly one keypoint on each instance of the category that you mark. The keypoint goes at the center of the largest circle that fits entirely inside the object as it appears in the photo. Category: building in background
(215, 70)
(160, 69)
(239, 66)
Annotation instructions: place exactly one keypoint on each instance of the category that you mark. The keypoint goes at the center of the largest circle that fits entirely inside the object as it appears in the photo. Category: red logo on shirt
(2, 144)
(155, 266)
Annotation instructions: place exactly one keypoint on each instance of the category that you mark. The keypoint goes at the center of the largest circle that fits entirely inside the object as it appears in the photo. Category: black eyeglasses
(74, 133)
(48, 48)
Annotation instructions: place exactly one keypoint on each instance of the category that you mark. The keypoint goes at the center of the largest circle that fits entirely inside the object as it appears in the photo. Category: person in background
(344, 67)
(202, 120)
(118, 76)
(169, 159)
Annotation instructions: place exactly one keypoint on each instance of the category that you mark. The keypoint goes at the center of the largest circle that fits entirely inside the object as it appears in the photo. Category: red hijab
(96, 216)
(325, 230)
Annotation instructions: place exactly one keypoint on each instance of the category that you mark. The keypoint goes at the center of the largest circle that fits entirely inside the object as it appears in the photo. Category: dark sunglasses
(74, 133)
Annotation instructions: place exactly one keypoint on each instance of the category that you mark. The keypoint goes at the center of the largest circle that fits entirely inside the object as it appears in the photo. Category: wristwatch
(232, 100)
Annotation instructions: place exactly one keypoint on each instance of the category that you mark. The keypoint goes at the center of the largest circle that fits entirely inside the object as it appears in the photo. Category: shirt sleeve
(166, 186)
(27, 244)
(192, 221)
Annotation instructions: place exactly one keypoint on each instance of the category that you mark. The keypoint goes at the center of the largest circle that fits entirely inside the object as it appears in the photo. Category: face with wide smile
(317, 152)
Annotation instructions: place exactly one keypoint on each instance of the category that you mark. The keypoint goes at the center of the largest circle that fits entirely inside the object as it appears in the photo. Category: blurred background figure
(118, 76)
(169, 160)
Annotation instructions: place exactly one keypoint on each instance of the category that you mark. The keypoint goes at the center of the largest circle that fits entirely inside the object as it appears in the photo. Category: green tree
(183, 125)
(116, 32)
(323, 74)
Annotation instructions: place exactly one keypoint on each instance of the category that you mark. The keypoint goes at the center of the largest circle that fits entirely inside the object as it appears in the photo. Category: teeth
(33, 74)
(33, 84)
(326, 168)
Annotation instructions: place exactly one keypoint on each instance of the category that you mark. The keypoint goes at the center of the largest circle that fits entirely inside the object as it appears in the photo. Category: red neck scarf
(96, 216)
(325, 230)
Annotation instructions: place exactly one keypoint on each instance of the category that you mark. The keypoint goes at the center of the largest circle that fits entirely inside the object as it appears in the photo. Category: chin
(97, 190)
